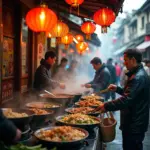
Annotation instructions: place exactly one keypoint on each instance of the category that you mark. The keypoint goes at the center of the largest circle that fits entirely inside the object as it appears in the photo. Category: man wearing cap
(102, 77)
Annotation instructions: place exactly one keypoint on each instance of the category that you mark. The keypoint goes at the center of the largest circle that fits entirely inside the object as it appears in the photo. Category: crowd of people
(134, 79)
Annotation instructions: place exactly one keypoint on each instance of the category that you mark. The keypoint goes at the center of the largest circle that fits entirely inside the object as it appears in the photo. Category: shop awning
(120, 50)
(143, 46)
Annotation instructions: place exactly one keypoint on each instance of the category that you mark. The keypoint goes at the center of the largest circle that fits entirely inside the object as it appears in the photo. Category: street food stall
(74, 127)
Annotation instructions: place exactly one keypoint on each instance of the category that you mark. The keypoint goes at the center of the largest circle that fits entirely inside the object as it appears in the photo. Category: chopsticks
(102, 91)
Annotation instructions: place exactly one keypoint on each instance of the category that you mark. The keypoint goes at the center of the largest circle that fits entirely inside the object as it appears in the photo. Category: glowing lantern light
(67, 39)
(88, 28)
(74, 3)
(104, 17)
(41, 19)
(48, 34)
(59, 30)
(79, 38)
(71, 51)
(81, 47)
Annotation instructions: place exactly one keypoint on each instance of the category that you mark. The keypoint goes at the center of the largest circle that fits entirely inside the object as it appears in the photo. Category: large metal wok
(88, 127)
(69, 111)
(94, 96)
(39, 120)
(63, 99)
(62, 145)
(76, 95)
(44, 105)
(21, 122)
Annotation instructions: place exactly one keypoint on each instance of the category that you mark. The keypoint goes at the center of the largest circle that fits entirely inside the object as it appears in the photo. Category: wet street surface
(117, 143)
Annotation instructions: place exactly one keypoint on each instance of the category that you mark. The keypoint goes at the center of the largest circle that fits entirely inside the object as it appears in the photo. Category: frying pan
(88, 127)
(61, 144)
(39, 120)
(22, 121)
(68, 110)
(63, 99)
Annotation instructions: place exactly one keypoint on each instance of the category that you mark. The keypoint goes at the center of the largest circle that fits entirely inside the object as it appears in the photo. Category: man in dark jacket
(134, 102)
(112, 71)
(42, 78)
(8, 131)
(102, 77)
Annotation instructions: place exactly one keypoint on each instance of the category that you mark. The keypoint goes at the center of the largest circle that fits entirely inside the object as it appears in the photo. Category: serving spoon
(50, 93)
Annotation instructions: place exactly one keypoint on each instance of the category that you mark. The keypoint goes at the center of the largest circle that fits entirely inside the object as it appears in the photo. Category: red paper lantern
(81, 47)
(41, 19)
(74, 3)
(67, 39)
(104, 17)
(79, 38)
(59, 30)
(88, 28)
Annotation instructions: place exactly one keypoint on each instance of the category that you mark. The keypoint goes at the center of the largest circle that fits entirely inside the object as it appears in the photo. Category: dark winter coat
(42, 78)
(112, 71)
(101, 80)
(134, 102)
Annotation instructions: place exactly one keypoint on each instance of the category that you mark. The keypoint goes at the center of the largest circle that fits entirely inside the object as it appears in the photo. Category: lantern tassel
(43, 37)
(88, 36)
(66, 46)
(78, 10)
(104, 29)
(58, 40)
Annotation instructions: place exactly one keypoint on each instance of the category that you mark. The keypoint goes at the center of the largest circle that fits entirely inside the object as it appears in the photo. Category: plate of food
(89, 103)
(20, 117)
(79, 120)
(61, 136)
(43, 105)
(82, 110)
(92, 97)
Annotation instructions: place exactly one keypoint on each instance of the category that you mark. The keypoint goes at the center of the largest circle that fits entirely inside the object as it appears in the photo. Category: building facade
(134, 32)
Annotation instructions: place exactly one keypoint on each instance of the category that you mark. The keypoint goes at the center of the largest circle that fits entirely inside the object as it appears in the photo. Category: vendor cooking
(42, 78)
(101, 79)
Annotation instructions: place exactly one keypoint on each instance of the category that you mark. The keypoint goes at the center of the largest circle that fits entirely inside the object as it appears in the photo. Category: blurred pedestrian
(72, 70)
(113, 77)
(118, 72)
(61, 72)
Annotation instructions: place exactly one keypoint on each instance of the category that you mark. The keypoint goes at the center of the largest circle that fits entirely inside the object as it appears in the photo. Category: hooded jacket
(42, 78)
(134, 102)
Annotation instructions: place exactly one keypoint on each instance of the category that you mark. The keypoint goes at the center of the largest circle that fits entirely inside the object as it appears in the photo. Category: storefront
(21, 51)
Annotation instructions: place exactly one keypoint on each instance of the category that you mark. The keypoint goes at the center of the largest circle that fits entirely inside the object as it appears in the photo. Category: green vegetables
(24, 147)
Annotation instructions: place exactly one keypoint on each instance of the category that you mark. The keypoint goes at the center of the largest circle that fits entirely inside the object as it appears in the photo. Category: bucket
(108, 128)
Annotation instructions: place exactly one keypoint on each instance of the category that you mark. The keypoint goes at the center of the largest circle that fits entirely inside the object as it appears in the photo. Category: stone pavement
(117, 143)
